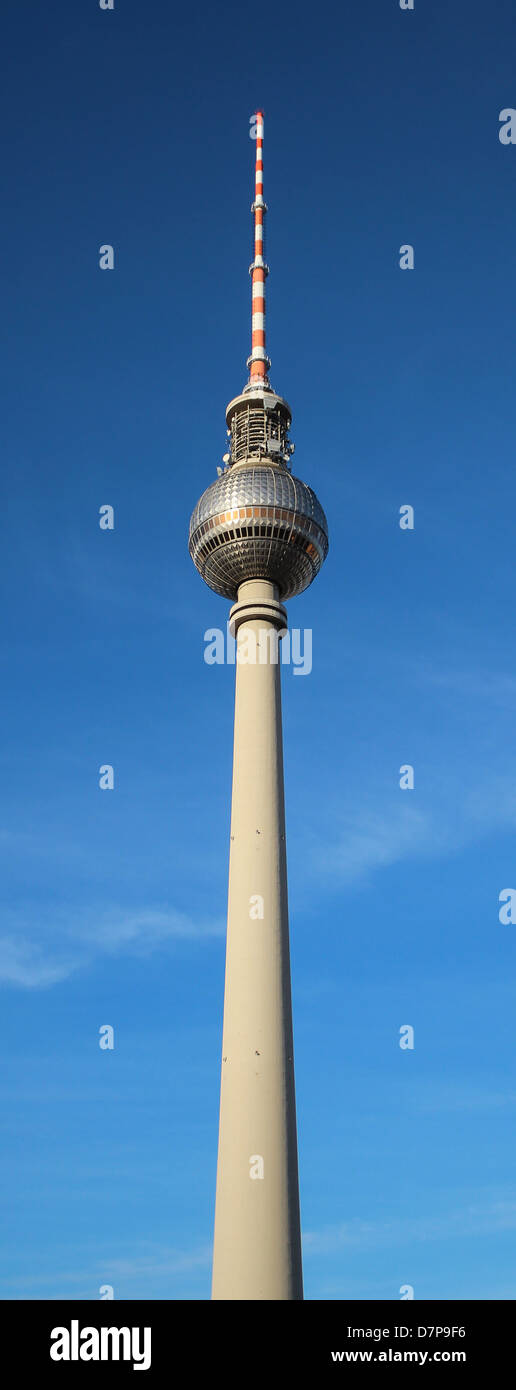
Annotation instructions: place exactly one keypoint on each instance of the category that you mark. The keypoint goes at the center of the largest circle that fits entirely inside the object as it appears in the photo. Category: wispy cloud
(140, 1269)
(74, 936)
(460, 814)
(369, 840)
(495, 686)
(455, 1096)
(473, 1220)
(23, 963)
(457, 799)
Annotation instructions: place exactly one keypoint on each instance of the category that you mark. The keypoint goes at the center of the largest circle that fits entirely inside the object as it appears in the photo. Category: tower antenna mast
(258, 362)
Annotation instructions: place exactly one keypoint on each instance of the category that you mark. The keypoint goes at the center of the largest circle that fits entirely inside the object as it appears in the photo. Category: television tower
(258, 536)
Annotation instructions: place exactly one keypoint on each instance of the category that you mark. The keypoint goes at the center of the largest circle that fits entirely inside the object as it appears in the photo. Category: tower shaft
(257, 1248)
(258, 535)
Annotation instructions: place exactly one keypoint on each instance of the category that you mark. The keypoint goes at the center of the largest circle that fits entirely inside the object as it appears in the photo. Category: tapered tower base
(257, 1248)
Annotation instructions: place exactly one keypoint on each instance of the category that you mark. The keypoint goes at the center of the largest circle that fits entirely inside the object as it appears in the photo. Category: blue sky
(381, 129)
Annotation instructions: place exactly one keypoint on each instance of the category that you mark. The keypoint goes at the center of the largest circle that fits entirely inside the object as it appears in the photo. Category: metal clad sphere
(258, 522)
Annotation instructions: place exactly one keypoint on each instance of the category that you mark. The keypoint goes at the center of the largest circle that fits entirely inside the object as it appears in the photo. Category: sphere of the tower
(257, 521)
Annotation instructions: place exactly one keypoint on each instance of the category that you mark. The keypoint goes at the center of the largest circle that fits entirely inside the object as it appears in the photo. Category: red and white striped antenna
(258, 362)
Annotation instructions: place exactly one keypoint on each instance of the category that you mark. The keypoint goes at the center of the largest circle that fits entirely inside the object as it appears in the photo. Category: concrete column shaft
(257, 1249)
